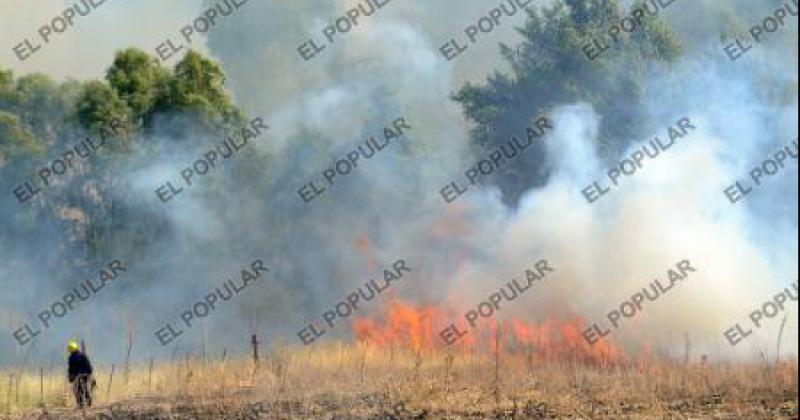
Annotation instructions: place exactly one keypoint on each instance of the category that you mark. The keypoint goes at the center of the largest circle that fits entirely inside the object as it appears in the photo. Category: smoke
(390, 208)
(668, 212)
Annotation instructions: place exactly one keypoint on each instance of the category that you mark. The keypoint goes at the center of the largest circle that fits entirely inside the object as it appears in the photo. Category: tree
(15, 140)
(195, 98)
(6, 81)
(187, 101)
(549, 68)
(138, 79)
(41, 119)
(99, 105)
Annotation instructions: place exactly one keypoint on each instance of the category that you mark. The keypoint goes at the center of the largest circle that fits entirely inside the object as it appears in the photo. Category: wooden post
(472, 361)
(150, 377)
(530, 359)
(497, 366)
(8, 394)
(128, 355)
(110, 381)
(16, 387)
(254, 342)
(780, 336)
(203, 340)
(448, 366)
(188, 376)
(52, 377)
(687, 349)
(362, 367)
(41, 386)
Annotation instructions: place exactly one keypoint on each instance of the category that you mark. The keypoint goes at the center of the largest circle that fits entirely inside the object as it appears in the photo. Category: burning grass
(551, 340)
(399, 367)
(368, 380)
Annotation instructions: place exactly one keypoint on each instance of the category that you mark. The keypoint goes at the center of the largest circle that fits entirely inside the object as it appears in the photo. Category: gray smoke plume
(390, 208)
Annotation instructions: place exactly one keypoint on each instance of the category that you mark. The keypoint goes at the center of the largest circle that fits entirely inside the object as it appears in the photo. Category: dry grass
(355, 381)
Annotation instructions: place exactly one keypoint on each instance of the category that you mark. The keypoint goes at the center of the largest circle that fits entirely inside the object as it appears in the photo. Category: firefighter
(80, 375)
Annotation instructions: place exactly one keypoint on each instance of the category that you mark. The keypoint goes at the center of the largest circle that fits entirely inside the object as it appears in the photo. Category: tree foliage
(139, 80)
(40, 120)
(549, 68)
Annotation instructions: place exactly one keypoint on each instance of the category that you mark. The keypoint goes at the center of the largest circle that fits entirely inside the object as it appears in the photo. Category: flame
(552, 340)
(403, 325)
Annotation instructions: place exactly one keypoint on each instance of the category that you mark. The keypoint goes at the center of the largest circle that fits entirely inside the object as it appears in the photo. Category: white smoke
(672, 209)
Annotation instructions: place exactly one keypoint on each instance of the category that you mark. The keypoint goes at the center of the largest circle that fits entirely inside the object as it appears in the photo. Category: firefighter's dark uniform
(80, 376)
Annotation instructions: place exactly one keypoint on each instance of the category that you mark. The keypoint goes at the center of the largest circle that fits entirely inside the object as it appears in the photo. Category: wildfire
(553, 340)
(403, 325)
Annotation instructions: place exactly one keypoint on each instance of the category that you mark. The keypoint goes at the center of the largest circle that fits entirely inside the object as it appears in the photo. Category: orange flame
(404, 325)
(553, 340)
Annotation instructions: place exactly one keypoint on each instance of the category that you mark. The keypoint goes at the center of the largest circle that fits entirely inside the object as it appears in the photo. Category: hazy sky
(84, 50)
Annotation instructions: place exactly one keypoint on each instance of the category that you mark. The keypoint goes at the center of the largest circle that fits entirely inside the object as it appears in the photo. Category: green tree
(41, 119)
(6, 81)
(38, 101)
(98, 105)
(196, 95)
(138, 79)
(188, 100)
(16, 141)
(549, 68)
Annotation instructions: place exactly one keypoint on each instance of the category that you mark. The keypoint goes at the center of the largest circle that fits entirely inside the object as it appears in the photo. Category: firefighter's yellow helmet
(73, 346)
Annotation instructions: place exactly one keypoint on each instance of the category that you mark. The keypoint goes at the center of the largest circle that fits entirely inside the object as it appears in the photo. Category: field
(338, 380)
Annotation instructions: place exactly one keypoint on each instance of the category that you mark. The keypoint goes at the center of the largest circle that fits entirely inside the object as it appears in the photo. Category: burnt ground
(372, 406)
